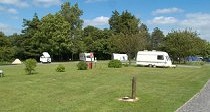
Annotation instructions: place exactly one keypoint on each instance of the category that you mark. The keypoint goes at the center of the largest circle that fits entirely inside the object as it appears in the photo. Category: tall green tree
(125, 23)
(181, 44)
(90, 35)
(145, 37)
(31, 27)
(157, 38)
(6, 49)
(72, 15)
(128, 37)
(17, 43)
(90, 30)
(132, 44)
(3, 40)
(207, 50)
(96, 41)
(53, 36)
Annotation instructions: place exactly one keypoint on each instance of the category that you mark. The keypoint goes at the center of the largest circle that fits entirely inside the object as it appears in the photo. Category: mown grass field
(98, 90)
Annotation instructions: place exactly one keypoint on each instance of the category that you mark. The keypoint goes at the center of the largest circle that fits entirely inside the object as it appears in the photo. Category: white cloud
(167, 11)
(8, 30)
(46, 3)
(12, 11)
(163, 20)
(17, 3)
(199, 22)
(15, 17)
(8, 10)
(98, 21)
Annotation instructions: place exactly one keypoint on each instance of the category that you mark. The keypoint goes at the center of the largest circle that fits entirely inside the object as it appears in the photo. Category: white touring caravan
(45, 58)
(86, 57)
(153, 59)
(121, 57)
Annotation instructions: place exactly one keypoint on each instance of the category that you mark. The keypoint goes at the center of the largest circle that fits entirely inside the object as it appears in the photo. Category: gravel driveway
(198, 103)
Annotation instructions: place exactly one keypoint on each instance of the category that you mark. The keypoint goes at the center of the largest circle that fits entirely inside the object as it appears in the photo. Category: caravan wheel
(150, 65)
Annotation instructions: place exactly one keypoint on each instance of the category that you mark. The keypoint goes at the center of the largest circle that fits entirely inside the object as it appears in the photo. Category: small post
(133, 94)
(91, 64)
(91, 60)
(95, 61)
(1, 73)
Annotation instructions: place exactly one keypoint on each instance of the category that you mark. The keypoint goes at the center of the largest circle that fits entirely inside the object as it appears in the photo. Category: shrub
(60, 68)
(202, 63)
(126, 64)
(196, 63)
(82, 65)
(30, 65)
(115, 64)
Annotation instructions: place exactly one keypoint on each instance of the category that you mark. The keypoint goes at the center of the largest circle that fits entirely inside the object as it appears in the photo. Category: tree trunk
(72, 56)
(129, 58)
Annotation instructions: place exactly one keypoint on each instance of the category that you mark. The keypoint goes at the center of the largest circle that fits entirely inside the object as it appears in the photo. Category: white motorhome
(153, 59)
(121, 57)
(86, 57)
(45, 58)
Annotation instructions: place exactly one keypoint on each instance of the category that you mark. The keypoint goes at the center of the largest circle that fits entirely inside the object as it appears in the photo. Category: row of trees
(61, 34)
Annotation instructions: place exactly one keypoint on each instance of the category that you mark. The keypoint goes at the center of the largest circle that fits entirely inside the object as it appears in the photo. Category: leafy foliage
(157, 38)
(115, 64)
(60, 68)
(30, 65)
(6, 49)
(97, 41)
(197, 63)
(56, 39)
(82, 65)
(181, 44)
(61, 35)
(30, 44)
(72, 16)
(125, 23)
(128, 38)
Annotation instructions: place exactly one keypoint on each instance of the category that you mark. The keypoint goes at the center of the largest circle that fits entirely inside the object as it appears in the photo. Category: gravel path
(198, 103)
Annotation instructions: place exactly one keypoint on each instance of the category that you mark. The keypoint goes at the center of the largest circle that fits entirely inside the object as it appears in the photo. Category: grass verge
(98, 90)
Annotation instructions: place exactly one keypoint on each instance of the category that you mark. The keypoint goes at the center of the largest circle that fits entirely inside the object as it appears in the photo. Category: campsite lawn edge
(98, 90)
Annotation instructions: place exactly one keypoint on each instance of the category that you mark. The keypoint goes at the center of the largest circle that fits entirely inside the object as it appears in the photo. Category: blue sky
(166, 14)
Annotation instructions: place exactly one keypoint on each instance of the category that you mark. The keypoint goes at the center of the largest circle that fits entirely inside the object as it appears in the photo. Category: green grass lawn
(98, 90)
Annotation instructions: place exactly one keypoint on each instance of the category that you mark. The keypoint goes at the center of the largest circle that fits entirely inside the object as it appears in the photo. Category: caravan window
(160, 57)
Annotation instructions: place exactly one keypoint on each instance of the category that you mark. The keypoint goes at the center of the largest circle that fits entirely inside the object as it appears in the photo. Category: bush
(196, 63)
(115, 64)
(30, 65)
(126, 64)
(202, 63)
(60, 68)
(82, 65)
